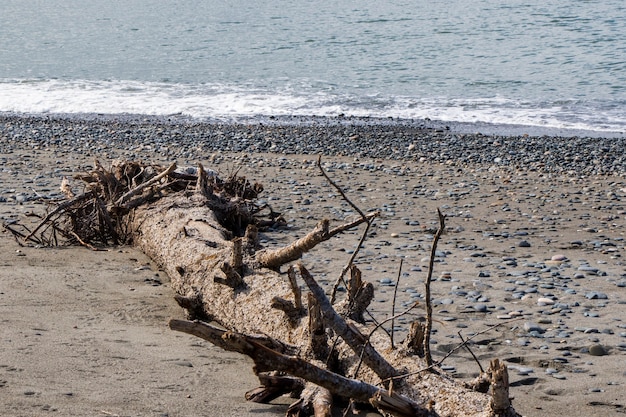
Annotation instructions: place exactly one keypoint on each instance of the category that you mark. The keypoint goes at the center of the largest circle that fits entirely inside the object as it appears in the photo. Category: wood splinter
(202, 185)
(251, 239)
(294, 310)
(500, 401)
(414, 342)
(233, 279)
(192, 304)
(360, 295)
(297, 294)
(237, 256)
(288, 308)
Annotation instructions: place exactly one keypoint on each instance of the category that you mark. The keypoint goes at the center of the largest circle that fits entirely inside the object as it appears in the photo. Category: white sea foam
(231, 102)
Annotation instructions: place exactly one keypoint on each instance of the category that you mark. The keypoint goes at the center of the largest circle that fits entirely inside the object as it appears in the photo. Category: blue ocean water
(540, 63)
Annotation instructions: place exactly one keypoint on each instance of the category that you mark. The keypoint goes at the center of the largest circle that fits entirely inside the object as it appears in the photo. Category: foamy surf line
(234, 104)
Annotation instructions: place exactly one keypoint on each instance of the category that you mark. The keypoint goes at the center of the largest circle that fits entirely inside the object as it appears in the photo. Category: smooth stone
(522, 370)
(533, 327)
(558, 257)
(481, 308)
(597, 350)
(543, 301)
(595, 295)
(590, 330)
(588, 269)
(524, 244)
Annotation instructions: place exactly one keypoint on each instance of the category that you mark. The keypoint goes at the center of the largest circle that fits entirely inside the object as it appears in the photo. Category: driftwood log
(204, 233)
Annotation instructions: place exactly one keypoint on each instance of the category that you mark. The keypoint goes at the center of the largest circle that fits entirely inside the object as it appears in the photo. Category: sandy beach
(535, 232)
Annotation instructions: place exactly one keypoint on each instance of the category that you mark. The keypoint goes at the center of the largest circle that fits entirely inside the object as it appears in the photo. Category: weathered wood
(359, 344)
(500, 401)
(274, 259)
(360, 295)
(139, 188)
(273, 386)
(248, 310)
(180, 230)
(429, 309)
(414, 341)
(267, 359)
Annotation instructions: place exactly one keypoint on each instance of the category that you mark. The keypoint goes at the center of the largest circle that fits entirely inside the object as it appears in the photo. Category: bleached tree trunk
(183, 236)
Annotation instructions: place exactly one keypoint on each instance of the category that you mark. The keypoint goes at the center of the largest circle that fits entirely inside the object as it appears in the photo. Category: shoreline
(543, 240)
(457, 127)
(359, 138)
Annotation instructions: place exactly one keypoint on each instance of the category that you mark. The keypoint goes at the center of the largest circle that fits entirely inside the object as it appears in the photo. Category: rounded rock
(544, 301)
(597, 350)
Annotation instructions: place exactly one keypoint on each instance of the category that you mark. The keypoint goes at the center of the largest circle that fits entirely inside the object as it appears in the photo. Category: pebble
(523, 371)
(533, 327)
(597, 350)
(595, 295)
(481, 308)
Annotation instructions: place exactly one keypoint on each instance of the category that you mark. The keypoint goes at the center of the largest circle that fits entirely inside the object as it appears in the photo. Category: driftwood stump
(203, 232)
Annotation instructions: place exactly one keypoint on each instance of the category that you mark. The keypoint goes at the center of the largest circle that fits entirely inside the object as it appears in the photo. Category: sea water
(541, 63)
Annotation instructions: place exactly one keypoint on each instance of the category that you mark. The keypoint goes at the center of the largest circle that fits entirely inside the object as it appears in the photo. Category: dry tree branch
(17, 235)
(144, 185)
(60, 208)
(267, 359)
(365, 218)
(331, 182)
(471, 352)
(393, 304)
(274, 259)
(85, 244)
(351, 260)
(429, 306)
(378, 326)
(349, 334)
(454, 349)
